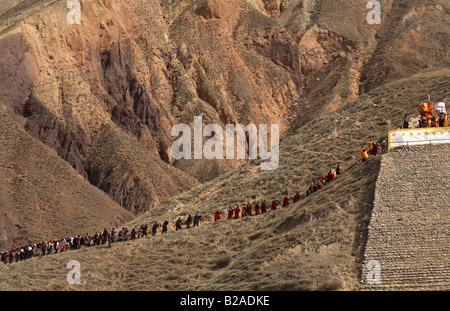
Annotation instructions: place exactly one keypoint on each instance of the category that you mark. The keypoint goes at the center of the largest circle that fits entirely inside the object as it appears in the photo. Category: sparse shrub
(329, 285)
(222, 261)
(173, 276)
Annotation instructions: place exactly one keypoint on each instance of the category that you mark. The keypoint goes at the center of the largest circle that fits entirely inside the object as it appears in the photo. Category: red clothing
(274, 205)
(217, 216)
(373, 149)
(330, 176)
(264, 207)
(230, 213)
(236, 212)
(249, 210)
(257, 209)
(297, 197)
(286, 202)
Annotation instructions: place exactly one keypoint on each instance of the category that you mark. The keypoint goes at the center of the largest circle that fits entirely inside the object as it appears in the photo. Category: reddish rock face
(106, 93)
(224, 10)
(134, 70)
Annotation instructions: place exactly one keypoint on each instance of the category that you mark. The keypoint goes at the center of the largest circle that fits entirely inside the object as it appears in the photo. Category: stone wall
(409, 231)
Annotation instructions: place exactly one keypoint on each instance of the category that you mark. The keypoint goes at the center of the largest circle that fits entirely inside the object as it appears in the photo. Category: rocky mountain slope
(42, 196)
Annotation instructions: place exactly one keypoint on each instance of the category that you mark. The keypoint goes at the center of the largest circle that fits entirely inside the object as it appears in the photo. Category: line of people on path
(70, 243)
(261, 208)
(46, 248)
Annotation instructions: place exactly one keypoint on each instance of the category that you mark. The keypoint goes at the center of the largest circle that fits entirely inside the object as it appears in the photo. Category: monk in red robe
(249, 209)
(257, 207)
(263, 207)
(230, 213)
(286, 201)
(297, 197)
(274, 204)
(236, 212)
(217, 216)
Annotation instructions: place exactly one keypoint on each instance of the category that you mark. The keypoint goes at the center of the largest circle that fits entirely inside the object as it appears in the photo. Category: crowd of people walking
(46, 248)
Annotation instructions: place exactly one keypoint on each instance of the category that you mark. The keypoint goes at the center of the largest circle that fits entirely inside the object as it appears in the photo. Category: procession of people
(104, 237)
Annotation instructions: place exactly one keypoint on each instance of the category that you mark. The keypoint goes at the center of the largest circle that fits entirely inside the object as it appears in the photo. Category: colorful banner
(418, 136)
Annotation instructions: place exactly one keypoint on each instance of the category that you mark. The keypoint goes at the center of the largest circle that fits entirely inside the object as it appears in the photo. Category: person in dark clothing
(164, 226)
(125, 234)
(75, 242)
(145, 230)
(96, 238)
(338, 170)
(405, 122)
(178, 224)
(155, 228)
(113, 235)
(43, 247)
(87, 240)
(244, 210)
(110, 239)
(81, 241)
(189, 221)
(196, 220)
(120, 235)
(105, 236)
